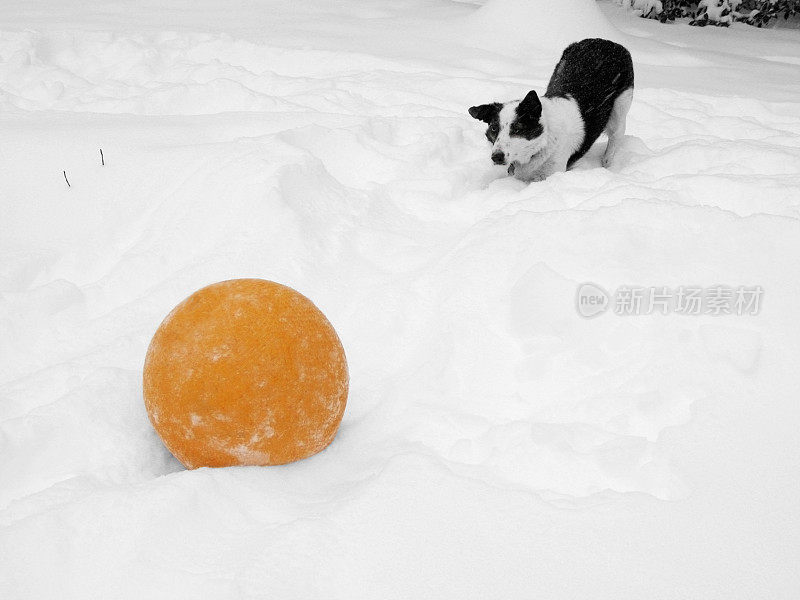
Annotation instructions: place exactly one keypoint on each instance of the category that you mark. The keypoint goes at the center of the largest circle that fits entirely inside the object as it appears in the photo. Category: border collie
(589, 92)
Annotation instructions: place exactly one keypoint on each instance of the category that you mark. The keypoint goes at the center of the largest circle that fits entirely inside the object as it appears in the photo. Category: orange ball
(245, 372)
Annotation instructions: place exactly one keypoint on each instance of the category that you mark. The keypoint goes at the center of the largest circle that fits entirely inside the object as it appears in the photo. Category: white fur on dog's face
(516, 131)
(516, 148)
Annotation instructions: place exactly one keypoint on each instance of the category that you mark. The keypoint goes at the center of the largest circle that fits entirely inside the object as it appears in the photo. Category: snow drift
(523, 26)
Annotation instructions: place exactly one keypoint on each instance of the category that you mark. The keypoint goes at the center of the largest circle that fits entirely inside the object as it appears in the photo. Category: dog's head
(516, 130)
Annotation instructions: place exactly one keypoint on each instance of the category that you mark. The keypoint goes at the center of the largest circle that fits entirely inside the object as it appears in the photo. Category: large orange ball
(245, 372)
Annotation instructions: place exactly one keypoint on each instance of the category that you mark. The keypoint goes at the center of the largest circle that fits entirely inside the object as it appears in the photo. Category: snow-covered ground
(495, 443)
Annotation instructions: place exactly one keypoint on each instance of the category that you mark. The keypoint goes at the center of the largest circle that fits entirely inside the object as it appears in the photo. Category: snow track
(495, 444)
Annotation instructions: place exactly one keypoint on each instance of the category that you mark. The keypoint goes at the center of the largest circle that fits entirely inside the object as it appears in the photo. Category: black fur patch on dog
(529, 112)
(594, 72)
(488, 113)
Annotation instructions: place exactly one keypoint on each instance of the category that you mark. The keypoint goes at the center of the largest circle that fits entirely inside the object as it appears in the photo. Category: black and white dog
(589, 92)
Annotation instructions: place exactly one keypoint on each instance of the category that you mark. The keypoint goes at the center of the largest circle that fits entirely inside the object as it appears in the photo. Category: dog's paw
(531, 177)
(525, 172)
(607, 160)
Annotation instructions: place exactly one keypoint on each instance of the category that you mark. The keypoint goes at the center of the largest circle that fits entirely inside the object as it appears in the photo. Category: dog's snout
(498, 157)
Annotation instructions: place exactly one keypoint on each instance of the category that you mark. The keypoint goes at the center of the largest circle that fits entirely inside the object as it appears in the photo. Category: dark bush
(721, 12)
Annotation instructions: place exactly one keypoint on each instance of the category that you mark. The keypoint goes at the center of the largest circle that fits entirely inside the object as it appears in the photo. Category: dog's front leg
(539, 171)
(528, 172)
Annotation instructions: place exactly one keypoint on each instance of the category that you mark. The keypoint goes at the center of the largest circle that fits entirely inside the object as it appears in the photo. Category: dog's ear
(485, 112)
(530, 107)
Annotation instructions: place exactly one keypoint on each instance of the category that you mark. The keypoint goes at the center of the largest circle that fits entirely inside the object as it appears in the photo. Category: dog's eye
(528, 132)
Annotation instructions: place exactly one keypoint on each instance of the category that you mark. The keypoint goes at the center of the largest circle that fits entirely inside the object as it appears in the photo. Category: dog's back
(594, 72)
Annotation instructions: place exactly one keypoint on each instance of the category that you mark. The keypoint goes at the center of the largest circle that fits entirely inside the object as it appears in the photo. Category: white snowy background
(495, 444)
